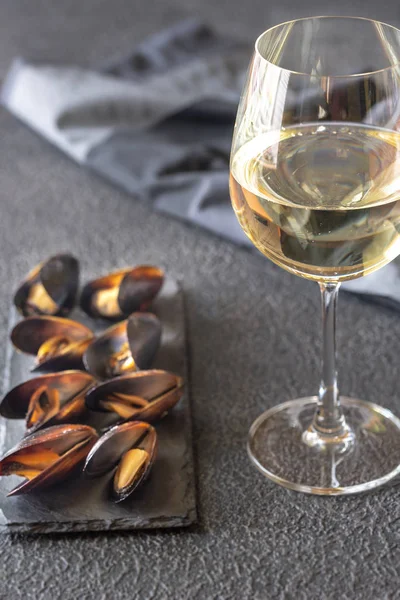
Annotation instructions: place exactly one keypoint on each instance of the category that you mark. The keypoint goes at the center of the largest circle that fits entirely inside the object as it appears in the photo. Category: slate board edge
(99, 525)
(129, 524)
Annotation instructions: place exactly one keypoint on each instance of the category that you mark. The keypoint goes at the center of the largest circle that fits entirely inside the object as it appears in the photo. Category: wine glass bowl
(315, 185)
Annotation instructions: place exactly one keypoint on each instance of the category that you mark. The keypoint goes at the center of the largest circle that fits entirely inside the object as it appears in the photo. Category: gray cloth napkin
(158, 123)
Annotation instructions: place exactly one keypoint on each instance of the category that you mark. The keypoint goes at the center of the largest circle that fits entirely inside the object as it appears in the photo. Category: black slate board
(167, 498)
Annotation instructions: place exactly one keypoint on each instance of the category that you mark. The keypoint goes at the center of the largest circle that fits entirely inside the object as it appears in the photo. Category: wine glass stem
(329, 420)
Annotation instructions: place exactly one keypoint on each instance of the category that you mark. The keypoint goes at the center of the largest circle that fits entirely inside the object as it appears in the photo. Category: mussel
(47, 456)
(48, 399)
(129, 448)
(126, 347)
(57, 343)
(141, 396)
(121, 293)
(50, 288)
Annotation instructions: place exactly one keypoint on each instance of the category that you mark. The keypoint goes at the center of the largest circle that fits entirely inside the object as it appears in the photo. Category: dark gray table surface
(253, 343)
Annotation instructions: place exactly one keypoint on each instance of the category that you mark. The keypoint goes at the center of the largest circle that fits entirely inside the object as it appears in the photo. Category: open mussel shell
(123, 348)
(57, 343)
(121, 293)
(48, 399)
(50, 288)
(141, 396)
(47, 456)
(129, 448)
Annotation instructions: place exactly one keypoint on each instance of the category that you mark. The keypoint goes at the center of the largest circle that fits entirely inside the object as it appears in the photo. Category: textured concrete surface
(253, 343)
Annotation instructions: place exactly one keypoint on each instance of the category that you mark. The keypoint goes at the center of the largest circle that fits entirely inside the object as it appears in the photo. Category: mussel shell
(70, 358)
(134, 291)
(44, 405)
(73, 442)
(68, 384)
(110, 448)
(58, 280)
(160, 388)
(98, 355)
(28, 335)
(144, 336)
(141, 333)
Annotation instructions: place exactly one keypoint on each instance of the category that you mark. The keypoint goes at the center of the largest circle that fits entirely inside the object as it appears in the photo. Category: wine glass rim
(363, 74)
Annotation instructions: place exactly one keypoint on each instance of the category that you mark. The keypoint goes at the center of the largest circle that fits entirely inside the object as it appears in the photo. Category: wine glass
(315, 185)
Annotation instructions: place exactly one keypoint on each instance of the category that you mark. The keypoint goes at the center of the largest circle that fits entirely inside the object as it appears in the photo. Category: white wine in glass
(315, 184)
(328, 205)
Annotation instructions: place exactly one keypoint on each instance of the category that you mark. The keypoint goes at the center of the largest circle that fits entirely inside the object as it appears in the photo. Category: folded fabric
(157, 123)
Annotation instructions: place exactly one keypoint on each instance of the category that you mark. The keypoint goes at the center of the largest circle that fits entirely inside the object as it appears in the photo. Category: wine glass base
(278, 447)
